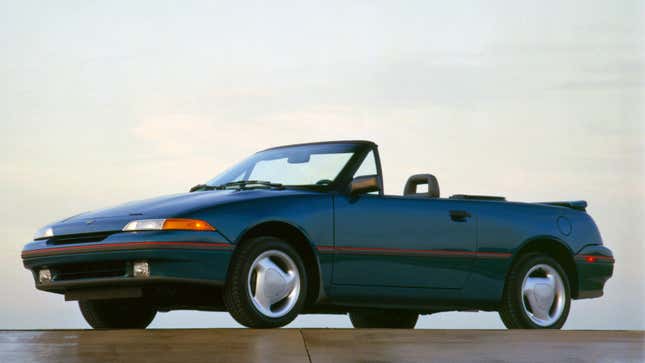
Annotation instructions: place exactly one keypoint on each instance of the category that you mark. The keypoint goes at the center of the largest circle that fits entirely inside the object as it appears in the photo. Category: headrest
(415, 180)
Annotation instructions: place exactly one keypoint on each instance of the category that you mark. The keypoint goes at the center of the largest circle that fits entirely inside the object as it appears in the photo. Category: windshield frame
(359, 150)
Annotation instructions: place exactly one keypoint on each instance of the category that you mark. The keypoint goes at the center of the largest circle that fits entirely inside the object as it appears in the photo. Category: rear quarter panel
(506, 227)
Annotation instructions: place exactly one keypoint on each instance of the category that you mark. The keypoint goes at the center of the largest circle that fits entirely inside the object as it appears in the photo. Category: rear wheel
(536, 295)
(117, 314)
(267, 284)
(384, 319)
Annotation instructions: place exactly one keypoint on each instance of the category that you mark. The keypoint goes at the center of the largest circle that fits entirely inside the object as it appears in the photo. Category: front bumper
(595, 265)
(174, 257)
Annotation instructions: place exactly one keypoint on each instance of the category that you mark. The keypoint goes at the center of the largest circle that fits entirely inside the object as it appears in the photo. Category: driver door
(396, 241)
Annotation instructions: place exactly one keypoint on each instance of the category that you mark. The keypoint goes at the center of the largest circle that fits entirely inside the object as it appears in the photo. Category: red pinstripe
(125, 245)
(401, 250)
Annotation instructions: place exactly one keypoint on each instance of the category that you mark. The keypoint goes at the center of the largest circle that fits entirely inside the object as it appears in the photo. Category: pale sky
(103, 103)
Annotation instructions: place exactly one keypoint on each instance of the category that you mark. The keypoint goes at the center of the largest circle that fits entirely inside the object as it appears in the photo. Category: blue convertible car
(307, 229)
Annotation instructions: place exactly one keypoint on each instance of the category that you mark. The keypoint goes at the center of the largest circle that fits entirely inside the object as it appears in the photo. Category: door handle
(459, 215)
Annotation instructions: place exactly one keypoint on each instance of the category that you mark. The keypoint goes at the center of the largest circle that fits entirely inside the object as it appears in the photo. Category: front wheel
(117, 314)
(267, 284)
(536, 295)
(384, 319)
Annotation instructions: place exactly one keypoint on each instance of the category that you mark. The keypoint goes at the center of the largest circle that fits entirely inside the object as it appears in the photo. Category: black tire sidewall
(516, 296)
(117, 314)
(384, 319)
(240, 274)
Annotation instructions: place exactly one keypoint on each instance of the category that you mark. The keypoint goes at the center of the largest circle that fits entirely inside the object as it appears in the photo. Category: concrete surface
(321, 345)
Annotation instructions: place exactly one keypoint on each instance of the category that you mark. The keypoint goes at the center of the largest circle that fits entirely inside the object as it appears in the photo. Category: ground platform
(320, 345)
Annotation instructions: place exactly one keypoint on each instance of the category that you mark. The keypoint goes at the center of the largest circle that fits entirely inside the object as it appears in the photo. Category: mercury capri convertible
(307, 229)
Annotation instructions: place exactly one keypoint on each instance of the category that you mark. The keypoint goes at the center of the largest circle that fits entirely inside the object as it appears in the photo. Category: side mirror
(364, 184)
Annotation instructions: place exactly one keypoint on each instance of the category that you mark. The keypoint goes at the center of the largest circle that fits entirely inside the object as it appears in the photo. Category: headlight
(45, 232)
(168, 224)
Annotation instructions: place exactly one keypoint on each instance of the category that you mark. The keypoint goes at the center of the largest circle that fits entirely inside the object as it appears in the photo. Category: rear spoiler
(580, 205)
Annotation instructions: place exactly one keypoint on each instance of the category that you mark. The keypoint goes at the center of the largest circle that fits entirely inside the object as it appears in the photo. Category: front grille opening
(89, 270)
(80, 238)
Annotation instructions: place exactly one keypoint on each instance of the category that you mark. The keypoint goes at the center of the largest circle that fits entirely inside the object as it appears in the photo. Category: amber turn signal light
(187, 224)
(181, 224)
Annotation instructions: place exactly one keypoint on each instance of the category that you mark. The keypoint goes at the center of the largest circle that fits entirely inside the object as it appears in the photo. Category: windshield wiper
(198, 187)
(245, 184)
(240, 184)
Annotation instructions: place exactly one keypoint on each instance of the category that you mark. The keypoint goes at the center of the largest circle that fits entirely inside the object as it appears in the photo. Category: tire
(269, 265)
(517, 308)
(384, 319)
(117, 314)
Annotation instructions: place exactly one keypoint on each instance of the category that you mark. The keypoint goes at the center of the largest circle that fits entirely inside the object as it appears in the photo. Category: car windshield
(302, 165)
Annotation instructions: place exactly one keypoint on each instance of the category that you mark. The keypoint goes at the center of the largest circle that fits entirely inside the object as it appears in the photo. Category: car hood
(176, 205)
(164, 206)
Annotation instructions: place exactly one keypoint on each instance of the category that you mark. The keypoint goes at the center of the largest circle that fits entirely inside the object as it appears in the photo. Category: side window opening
(368, 167)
